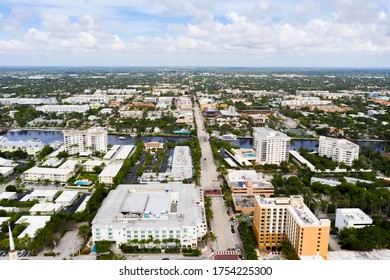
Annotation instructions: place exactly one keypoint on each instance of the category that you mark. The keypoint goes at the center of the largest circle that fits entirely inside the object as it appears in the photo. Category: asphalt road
(220, 225)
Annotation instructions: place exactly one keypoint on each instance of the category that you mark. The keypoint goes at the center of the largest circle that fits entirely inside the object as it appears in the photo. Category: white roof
(93, 163)
(34, 223)
(354, 215)
(67, 196)
(111, 152)
(168, 205)
(124, 152)
(4, 219)
(45, 207)
(182, 162)
(69, 164)
(111, 169)
(7, 195)
(43, 170)
(83, 205)
(4, 170)
(46, 193)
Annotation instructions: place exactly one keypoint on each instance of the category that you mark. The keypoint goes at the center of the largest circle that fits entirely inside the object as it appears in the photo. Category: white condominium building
(339, 150)
(271, 146)
(158, 211)
(91, 98)
(27, 101)
(61, 109)
(90, 140)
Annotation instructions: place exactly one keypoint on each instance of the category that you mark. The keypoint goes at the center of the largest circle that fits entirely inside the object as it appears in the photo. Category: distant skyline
(262, 33)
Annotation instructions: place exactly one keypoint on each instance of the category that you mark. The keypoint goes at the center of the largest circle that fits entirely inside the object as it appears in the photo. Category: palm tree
(57, 184)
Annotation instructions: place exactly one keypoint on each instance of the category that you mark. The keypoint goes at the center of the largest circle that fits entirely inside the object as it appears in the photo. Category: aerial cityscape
(203, 163)
(194, 130)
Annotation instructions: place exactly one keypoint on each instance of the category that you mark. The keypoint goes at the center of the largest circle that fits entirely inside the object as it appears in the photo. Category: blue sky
(310, 33)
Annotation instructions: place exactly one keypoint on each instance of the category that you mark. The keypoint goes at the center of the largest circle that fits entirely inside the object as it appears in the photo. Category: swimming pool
(250, 155)
(82, 183)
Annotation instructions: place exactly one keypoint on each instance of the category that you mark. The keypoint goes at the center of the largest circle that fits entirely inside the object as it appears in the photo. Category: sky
(253, 33)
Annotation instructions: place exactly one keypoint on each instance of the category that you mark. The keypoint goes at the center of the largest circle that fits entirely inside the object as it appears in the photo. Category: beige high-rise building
(278, 219)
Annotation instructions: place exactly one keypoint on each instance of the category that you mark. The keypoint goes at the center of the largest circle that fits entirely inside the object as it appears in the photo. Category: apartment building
(62, 174)
(158, 211)
(339, 150)
(86, 99)
(109, 172)
(90, 140)
(61, 109)
(278, 219)
(27, 101)
(270, 146)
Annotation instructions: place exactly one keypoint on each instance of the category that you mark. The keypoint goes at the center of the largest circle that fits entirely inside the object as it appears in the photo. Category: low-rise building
(158, 211)
(45, 209)
(6, 162)
(330, 182)
(8, 195)
(6, 171)
(351, 217)
(154, 145)
(43, 195)
(33, 224)
(67, 198)
(30, 147)
(109, 172)
(52, 174)
(248, 182)
(90, 164)
(61, 109)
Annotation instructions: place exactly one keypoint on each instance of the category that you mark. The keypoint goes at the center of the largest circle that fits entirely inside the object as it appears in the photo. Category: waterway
(312, 145)
(48, 137)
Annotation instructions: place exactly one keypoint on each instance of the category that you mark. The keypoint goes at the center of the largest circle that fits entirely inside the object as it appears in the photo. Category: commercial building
(90, 140)
(109, 172)
(271, 146)
(339, 150)
(158, 211)
(288, 218)
(61, 109)
(351, 217)
(248, 182)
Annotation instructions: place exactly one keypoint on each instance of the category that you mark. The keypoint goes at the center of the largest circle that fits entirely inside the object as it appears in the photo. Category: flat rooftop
(34, 223)
(171, 205)
(354, 214)
(111, 169)
(267, 132)
(45, 193)
(67, 196)
(295, 205)
(45, 170)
